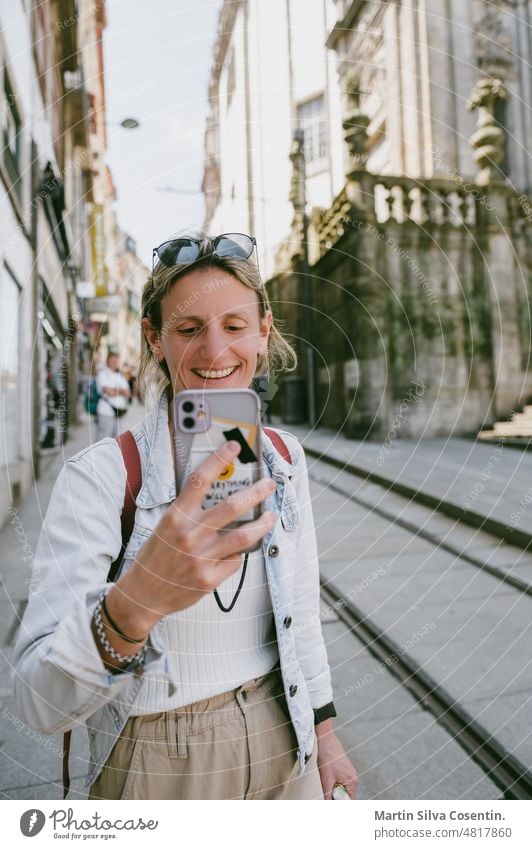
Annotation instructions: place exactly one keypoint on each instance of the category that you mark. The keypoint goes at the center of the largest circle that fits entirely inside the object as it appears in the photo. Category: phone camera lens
(188, 422)
(188, 406)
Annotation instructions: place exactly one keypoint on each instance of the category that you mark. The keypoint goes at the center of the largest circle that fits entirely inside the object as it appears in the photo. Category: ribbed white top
(211, 652)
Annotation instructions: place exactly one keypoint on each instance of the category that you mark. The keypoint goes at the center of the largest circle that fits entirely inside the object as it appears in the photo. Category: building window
(312, 120)
(11, 134)
(9, 367)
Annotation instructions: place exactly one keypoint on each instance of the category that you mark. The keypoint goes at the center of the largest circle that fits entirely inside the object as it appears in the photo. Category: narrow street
(433, 584)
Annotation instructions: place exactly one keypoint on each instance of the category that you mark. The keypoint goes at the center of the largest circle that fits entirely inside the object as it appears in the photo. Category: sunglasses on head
(185, 249)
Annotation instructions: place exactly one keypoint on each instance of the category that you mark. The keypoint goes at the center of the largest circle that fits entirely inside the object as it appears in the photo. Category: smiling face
(211, 331)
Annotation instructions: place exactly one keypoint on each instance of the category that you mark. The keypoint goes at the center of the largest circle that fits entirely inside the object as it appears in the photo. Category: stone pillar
(501, 267)
(488, 139)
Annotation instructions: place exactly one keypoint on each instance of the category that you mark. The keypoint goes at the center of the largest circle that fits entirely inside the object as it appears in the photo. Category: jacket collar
(155, 445)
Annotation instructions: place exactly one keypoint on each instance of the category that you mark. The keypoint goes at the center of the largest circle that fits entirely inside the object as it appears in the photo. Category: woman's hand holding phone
(187, 556)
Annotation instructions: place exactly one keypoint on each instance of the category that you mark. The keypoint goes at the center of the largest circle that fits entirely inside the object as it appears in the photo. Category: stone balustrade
(380, 199)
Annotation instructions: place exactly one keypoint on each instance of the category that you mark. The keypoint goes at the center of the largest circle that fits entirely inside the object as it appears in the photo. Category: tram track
(514, 536)
(505, 577)
(506, 771)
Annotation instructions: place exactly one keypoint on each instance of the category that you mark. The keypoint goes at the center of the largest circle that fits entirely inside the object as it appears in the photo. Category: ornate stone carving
(297, 181)
(356, 127)
(494, 44)
(488, 139)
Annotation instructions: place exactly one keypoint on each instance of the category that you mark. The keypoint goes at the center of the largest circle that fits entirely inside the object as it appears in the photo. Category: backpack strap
(131, 456)
(66, 752)
(279, 443)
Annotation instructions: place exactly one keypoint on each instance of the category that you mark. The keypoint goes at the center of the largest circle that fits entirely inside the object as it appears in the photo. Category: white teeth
(215, 374)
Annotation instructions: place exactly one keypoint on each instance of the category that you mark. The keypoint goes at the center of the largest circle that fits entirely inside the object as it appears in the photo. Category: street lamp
(299, 202)
(125, 123)
(130, 123)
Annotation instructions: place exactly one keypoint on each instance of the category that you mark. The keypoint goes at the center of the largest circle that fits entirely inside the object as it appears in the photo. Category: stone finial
(355, 126)
(488, 139)
(297, 181)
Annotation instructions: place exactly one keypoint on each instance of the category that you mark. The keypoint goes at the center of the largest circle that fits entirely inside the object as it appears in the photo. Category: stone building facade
(420, 268)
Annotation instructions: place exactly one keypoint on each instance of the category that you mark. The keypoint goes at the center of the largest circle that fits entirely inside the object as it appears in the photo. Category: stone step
(513, 429)
(519, 425)
(506, 429)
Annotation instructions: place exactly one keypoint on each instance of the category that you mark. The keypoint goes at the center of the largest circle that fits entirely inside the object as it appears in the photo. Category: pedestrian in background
(114, 393)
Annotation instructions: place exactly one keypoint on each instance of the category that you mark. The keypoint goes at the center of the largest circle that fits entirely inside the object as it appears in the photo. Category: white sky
(157, 59)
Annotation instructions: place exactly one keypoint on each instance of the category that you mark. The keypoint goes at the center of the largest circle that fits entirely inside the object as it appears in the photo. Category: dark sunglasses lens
(178, 251)
(235, 245)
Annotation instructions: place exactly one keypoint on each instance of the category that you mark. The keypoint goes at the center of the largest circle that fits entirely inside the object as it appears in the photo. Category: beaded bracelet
(121, 658)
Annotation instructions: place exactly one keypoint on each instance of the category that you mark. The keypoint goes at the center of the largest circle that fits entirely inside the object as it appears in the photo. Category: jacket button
(287, 621)
(273, 550)
(245, 695)
(293, 689)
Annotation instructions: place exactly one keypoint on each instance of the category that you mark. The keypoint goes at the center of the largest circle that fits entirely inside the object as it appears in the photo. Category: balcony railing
(379, 200)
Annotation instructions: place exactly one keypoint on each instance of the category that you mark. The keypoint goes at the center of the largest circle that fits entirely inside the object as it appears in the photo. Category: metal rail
(512, 580)
(513, 536)
(505, 770)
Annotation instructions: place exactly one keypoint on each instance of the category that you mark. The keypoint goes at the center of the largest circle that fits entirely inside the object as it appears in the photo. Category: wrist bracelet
(115, 627)
(121, 658)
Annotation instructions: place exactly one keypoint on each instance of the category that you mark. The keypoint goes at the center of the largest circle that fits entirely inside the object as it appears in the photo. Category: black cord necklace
(240, 585)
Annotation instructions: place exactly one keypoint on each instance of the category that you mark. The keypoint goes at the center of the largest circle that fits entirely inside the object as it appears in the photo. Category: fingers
(236, 505)
(200, 481)
(243, 538)
(227, 566)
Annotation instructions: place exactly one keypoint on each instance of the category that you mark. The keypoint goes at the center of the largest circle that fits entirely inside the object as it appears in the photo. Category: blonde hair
(154, 375)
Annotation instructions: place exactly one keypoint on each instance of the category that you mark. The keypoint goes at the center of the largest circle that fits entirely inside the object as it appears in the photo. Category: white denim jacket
(59, 677)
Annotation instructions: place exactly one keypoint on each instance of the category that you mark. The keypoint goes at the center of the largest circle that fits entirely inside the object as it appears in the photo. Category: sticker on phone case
(238, 475)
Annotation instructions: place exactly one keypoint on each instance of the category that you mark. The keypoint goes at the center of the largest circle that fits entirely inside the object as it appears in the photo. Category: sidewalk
(31, 766)
(478, 483)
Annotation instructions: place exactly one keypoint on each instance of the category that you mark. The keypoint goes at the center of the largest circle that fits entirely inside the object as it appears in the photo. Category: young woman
(187, 694)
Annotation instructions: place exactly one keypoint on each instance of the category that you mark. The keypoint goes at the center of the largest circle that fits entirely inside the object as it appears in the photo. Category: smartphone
(204, 419)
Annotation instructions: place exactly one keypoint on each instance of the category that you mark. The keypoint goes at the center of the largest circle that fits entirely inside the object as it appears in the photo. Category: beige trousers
(238, 745)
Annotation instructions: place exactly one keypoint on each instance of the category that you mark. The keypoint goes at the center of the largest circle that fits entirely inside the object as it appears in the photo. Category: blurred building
(58, 230)
(43, 166)
(125, 326)
(415, 65)
(417, 271)
(271, 73)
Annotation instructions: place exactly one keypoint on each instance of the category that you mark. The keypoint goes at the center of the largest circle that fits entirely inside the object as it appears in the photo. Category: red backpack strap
(279, 443)
(131, 456)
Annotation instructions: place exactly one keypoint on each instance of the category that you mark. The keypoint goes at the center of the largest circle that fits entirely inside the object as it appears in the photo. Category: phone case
(223, 415)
